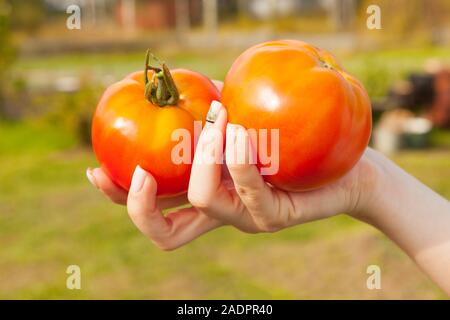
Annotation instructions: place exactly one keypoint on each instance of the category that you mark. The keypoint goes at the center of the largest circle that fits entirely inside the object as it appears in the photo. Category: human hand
(252, 205)
(154, 224)
(245, 201)
(375, 191)
(116, 194)
(145, 209)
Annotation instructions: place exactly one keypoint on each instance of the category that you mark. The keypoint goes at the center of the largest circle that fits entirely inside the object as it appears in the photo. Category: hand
(145, 209)
(251, 205)
(375, 191)
(100, 180)
(245, 201)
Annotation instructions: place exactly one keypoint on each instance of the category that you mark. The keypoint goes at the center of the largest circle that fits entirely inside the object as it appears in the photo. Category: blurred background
(52, 76)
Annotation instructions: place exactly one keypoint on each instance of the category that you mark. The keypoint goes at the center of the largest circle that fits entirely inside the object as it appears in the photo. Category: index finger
(100, 180)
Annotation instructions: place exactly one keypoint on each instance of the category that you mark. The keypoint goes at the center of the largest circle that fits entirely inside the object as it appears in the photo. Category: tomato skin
(128, 130)
(323, 114)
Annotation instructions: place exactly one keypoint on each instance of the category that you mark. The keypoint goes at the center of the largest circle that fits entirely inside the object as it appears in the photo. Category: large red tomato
(135, 119)
(323, 113)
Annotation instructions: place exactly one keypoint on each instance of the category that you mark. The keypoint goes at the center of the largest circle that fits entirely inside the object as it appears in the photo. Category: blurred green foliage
(51, 217)
(377, 70)
(27, 15)
(376, 77)
(407, 22)
(73, 111)
(7, 53)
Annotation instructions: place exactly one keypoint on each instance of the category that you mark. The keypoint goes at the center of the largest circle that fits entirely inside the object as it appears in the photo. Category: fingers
(209, 191)
(272, 209)
(205, 177)
(256, 195)
(98, 178)
(169, 232)
(101, 181)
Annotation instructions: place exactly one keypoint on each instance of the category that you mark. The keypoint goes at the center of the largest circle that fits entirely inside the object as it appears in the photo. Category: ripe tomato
(135, 118)
(323, 113)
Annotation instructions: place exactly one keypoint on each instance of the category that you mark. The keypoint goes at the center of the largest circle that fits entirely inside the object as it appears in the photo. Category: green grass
(211, 63)
(395, 59)
(50, 217)
(32, 137)
(377, 69)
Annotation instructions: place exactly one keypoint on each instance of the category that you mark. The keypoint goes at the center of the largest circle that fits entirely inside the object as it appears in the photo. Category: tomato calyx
(326, 63)
(161, 89)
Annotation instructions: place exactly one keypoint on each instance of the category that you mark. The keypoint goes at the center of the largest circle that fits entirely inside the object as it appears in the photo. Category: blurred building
(157, 14)
(166, 14)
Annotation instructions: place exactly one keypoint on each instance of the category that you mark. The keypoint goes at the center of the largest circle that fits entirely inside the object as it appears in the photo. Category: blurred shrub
(7, 55)
(375, 76)
(17, 98)
(312, 23)
(72, 111)
(407, 22)
(27, 15)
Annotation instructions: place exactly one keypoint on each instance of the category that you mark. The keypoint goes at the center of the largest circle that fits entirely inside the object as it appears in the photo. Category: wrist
(374, 178)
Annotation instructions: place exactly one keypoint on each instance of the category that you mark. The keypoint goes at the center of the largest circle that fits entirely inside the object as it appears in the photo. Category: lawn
(376, 69)
(51, 217)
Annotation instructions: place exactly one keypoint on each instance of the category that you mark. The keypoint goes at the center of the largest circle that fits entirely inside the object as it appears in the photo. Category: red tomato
(133, 126)
(323, 113)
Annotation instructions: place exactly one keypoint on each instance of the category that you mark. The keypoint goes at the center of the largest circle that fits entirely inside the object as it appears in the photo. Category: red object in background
(323, 114)
(153, 14)
(129, 130)
(440, 108)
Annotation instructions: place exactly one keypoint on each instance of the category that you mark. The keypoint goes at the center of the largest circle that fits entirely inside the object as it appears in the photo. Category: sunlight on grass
(51, 217)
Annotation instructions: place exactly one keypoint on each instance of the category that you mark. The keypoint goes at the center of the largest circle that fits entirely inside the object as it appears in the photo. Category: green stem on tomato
(161, 89)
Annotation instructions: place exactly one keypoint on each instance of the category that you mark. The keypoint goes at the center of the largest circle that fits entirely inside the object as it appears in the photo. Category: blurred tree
(408, 22)
(7, 53)
(27, 15)
(72, 111)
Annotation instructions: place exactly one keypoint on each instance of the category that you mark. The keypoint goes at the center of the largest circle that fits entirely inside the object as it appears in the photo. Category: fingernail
(213, 111)
(91, 177)
(138, 180)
